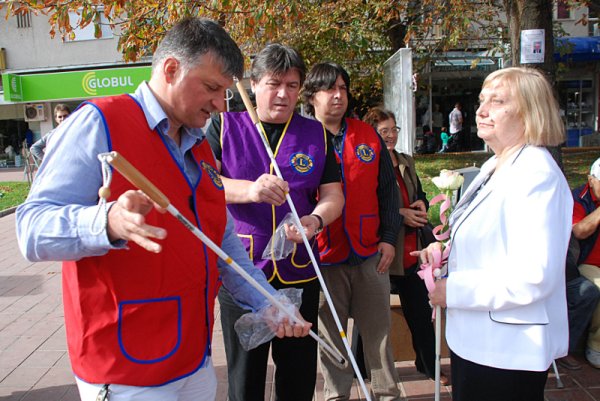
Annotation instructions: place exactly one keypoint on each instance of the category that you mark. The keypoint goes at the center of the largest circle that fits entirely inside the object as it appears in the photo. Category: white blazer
(506, 292)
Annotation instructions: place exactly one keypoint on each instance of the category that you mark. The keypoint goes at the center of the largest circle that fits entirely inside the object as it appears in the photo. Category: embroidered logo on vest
(302, 163)
(365, 153)
(213, 174)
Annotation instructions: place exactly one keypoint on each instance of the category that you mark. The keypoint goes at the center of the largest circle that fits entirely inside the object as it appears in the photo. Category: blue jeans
(582, 298)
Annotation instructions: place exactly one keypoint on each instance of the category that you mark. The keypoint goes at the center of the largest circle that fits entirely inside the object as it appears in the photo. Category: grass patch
(12, 194)
(576, 164)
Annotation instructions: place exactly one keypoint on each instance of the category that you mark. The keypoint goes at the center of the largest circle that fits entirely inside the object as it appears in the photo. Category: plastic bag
(279, 247)
(256, 328)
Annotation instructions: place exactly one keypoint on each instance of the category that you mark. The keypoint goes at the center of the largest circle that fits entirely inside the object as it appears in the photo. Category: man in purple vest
(138, 302)
(256, 199)
(358, 248)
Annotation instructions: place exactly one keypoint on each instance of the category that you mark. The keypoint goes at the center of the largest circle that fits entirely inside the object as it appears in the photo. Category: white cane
(256, 121)
(438, 346)
(438, 273)
(134, 176)
(559, 383)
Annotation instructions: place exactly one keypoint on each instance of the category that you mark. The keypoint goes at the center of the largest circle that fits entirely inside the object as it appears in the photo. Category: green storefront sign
(73, 85)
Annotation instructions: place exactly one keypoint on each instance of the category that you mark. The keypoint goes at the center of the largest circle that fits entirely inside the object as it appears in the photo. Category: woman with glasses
(404, 279)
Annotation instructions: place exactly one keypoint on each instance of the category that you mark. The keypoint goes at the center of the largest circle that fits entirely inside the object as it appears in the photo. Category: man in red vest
(356, 249)
(586, 228)
(139, 287)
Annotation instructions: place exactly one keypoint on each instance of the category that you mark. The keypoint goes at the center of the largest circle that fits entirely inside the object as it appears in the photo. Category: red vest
(358, 227)
(134, 317)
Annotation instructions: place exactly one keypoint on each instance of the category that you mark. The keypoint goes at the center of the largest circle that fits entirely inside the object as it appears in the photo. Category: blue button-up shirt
(58, 221)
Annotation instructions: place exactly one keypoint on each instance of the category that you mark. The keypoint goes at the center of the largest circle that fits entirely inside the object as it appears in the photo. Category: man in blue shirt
(60, 220)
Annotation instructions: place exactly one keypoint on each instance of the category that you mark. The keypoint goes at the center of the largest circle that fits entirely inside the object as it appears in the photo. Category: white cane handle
(134, 176)
(247, 102)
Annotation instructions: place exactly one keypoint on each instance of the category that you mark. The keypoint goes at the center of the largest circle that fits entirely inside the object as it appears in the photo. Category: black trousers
(474, 382)
(295, 358)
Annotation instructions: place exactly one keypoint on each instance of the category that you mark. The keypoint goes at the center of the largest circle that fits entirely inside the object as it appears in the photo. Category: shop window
(593, 23)
(563, 10)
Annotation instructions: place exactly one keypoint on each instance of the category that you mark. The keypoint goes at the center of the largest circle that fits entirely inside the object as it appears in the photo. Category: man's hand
(310, 225)
(387, 252)
(126, 220)
(269, 189)
(290, 329)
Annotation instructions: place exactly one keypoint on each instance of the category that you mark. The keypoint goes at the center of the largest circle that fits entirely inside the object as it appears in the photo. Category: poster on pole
(532, 46)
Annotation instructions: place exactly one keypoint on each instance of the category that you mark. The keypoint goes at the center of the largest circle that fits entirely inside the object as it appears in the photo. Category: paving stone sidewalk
(34, 365)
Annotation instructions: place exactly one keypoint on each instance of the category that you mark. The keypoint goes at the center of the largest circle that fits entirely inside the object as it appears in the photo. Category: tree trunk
(533, 14)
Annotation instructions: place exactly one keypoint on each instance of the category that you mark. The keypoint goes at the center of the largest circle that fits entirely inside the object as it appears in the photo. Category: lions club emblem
(213, 174)
(365, 153)
(302, 163)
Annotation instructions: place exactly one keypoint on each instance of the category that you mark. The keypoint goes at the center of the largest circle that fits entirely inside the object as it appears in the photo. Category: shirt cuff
(389, 238)
(91, 227)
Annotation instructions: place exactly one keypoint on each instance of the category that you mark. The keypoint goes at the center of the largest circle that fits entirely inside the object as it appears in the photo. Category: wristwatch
(320, 228)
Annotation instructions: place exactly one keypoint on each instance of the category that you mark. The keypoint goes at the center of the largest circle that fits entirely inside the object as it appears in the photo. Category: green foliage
(358, 34)
(12, 194)
(576, 165)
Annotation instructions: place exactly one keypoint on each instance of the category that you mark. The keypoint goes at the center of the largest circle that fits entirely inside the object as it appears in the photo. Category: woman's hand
(426, 254)
(438, 296)
(415, 215)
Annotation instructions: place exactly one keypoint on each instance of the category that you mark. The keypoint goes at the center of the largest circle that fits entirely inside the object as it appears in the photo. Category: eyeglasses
(388, 131)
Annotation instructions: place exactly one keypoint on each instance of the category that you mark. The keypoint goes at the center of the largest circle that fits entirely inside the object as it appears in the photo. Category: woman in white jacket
(505, 290)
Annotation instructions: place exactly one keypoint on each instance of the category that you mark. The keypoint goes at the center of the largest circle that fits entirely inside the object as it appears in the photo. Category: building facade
(39, 72)
(457, 76)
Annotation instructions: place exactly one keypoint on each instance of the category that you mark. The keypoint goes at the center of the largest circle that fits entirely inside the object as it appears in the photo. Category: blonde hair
(537, 106)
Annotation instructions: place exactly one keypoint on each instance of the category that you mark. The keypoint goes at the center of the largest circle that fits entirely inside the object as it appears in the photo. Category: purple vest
(300, 155)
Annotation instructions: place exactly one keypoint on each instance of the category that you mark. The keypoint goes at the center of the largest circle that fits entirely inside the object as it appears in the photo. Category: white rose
(448, 180)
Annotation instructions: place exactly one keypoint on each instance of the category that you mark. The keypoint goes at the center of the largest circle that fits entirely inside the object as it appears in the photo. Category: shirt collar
(155, 115)
(586, 189)
(342, 130)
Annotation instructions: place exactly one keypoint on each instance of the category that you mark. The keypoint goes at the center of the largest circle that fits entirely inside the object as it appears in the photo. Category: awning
(37, 87)
(465, 61)
(577, 49)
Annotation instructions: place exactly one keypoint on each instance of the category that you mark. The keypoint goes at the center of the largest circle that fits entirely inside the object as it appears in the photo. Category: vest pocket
(150, 329)
(369, 226)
